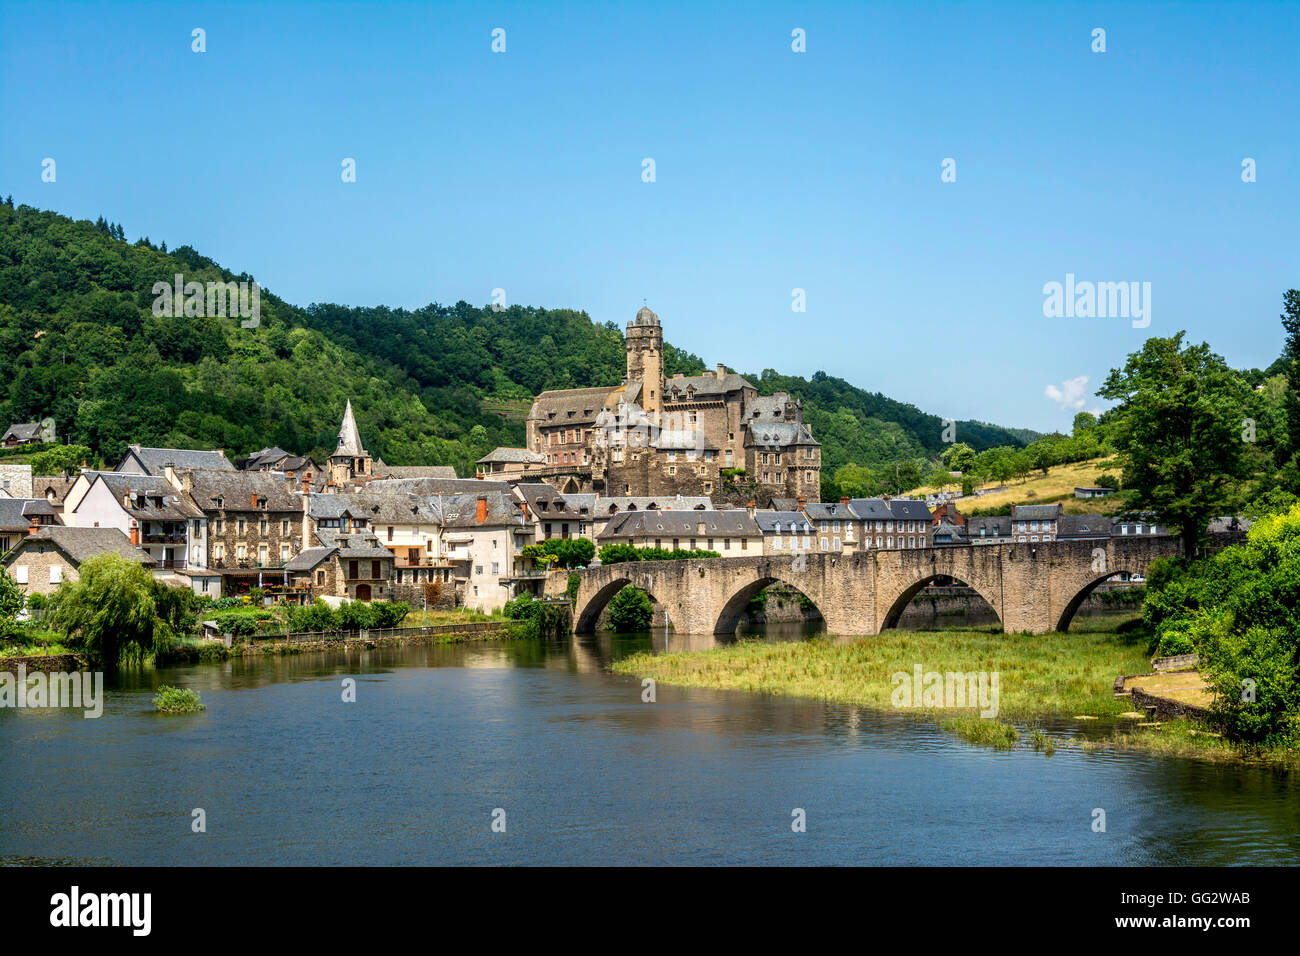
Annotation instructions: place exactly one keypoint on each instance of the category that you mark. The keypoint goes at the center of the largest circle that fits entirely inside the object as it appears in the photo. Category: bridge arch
(896, 607)
(735, 607)
(585, 619)
(1072, 606)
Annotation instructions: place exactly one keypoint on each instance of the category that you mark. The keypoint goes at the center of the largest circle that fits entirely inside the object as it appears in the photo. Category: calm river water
(440, 737)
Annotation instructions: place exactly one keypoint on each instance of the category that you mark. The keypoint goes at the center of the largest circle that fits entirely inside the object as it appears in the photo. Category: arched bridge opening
(744, 605)
(946, 586)
(589, 614)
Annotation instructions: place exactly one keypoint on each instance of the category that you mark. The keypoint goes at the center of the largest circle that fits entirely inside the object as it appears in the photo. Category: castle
(687, 435)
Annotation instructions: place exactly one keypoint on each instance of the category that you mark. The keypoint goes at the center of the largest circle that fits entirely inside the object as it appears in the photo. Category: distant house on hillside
(509, 461)
(26, 433)
(1093, 491)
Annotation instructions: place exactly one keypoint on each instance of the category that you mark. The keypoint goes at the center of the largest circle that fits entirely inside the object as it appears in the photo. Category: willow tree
(110, 611)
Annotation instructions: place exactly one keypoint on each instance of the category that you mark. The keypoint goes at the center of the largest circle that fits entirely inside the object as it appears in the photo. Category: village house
(52, 554)
(343, 559)
(20, 517)
(410, 528)
(1034, 523)
(786, 533)
(992, 530)
(555, 515)
(294, 467)
(914, 523)
(484, 536)
(509, 461)
(732, 533)
(604, 508)
(837, 524)
(150, 510)
(878, 522)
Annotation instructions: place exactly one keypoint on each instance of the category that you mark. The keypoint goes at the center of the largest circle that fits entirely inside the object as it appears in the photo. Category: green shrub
(618, 553)
(571, 589)
(630, 610)
(177, 700)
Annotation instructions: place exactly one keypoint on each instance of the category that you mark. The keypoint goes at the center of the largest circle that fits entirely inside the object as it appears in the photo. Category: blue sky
(774, 170)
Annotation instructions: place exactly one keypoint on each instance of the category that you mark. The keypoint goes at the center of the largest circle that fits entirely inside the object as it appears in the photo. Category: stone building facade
(685, 435)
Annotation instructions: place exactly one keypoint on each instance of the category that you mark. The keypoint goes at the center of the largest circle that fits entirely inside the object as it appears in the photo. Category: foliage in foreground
(618, 553)
(1240, 611)
(631, 610)
(117, 611)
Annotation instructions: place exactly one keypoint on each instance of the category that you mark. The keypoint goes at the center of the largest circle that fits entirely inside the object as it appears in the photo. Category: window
(241, 552)
(22, 574)
(56, 573)
(478, 569)
(823, 541)
(261, 527)
(261, 554)
(496, 568)
(241, 526)
(744, 544)
(284, 552)
(776, 543)
(284, 527)
(320, 577)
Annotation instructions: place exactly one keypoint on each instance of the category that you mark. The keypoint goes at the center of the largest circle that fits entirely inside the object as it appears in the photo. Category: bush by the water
(618, 553)
(177, 700)
(630, 610)
(350, 616)
(534, 617)
(1239, 610)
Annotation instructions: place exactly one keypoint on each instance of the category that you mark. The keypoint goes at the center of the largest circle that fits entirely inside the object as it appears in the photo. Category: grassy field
(1057, 485)
(1039, 675)
(1054, 675)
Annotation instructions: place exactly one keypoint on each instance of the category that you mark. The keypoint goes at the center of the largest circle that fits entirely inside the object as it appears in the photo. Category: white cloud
(1070, 394)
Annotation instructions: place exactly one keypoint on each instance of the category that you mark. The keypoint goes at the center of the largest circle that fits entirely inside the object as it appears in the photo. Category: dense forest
(79, 343)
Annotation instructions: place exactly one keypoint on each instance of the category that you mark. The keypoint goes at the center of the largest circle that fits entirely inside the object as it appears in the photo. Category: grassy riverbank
(1040, 676)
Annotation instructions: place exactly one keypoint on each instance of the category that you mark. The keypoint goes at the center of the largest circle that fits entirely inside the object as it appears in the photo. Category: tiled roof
(505, 455)
(782, 522)
(415, 471)
(25, 431)
(570, 406)
(236, 489)
(173, 506)
(619, 503)
(871, 509)
(761, 434)
(461, 511)
(907, 510)
(679, 389)
(1035, 512)
(436, 486)
(12, 514)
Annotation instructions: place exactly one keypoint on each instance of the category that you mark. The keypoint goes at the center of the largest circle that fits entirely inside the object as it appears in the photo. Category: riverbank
(1049, 676)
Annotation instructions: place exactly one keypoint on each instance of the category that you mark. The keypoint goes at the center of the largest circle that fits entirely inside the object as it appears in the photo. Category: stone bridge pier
(1033, 588)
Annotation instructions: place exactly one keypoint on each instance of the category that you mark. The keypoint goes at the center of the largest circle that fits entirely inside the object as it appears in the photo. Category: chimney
(481, 514)
(289, 474)
(169, 472)
(802, 502)
(722, 370)
(36, 525)
(523, 505)
(135, 533)
(844, 500)
(306, 484)
(751, 508)
(254, 497)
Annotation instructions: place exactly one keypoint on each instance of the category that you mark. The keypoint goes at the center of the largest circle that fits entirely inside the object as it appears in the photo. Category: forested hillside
(439, 385)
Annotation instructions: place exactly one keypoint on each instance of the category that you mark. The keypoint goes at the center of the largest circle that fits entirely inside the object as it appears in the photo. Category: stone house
(20, 517)
(914, 523)
(556, 515)
(509, 461)
(836, 524)
(605, 508)
(153, 513)
(786, 533)
(878, 522)
(1034, 523)
(15, 481)
(994, 530)
(52, 554)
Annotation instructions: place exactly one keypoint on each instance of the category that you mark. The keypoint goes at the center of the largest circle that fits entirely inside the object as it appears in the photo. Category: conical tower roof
(349, 438)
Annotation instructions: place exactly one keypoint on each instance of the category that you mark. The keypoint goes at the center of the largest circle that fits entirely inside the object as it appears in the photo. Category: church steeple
(350, 460)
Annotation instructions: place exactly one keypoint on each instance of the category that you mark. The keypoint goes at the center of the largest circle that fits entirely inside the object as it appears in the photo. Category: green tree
(11, 602)
(1291, 356)
(855, 481)
(110, 610)
(61, 460)
(631, 610)
(1177, 430)
(959, 457)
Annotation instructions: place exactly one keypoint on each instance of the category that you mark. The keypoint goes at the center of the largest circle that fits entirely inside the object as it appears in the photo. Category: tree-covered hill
(79, 343)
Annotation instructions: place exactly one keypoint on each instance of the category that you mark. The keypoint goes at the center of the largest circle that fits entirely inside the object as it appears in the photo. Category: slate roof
(24, 431)
(770, 408)
(1036, 512)
(174, 505)
(907, 510)
(829, 511)
(349, 445)
(677, 389)
(378, 508)
(154, 460)
(56, 483)
(783, 504)
(436, 486)
(999, 525)
(682, 524)
(415, 471)
(760, 434)
(620, 503)
(1083, 526)
(461, 511)
(782, 522)
(544, 501)
(307, 559)
(871, 509)
(504, 455)
(12, 514)
(236, 489)
(78, 544)
(571, 406)
(946, 532)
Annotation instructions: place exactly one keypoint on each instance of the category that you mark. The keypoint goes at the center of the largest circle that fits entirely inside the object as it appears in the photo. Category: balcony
(167, 538)
(170, 564)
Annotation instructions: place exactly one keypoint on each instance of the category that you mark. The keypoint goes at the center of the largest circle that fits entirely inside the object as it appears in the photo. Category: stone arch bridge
(1032, 587)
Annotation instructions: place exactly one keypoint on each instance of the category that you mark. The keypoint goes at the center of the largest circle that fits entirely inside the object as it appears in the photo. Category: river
(440, 737)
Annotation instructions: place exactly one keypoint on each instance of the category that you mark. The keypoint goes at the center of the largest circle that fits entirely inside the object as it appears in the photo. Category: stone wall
(49, 663)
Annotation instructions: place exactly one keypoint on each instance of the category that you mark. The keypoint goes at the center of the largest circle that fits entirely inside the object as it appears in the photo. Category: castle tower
(350, 461)
(645, 358)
